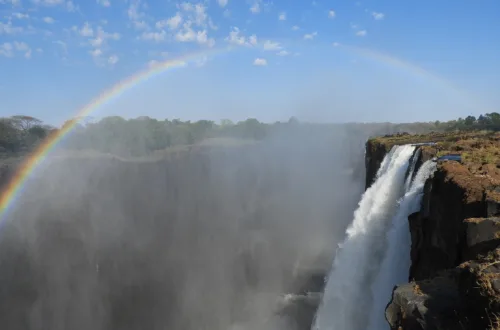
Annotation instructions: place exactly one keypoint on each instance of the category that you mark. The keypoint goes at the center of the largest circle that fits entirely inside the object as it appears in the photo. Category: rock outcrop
(375, 153)
(454, 278)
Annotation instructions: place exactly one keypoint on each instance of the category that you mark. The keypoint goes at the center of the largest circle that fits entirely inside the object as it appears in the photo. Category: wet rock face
(375, 153)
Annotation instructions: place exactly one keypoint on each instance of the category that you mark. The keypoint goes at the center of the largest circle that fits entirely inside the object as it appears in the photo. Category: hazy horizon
(218, 121)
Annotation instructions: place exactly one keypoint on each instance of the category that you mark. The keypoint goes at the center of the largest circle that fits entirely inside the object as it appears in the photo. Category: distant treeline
(488, 121)
(144, 135)
(22, 133)
(140, 136)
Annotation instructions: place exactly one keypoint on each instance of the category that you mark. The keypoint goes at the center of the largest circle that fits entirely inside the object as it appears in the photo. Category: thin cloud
(48, 20)
(20, 15)
(270, 45)
(11, 49)
(153, 63)
(202, 61)
(154, 36)
(71, 7)
(113, 59)
(310, 36)
(6, 49)
(8, 28)
(331, 14)
(172, 23)
(282, 16)
(236, 38)
(49, 3)
(12, 2)
(378, 16)
(253, 39)
(135, 15)
(260, 62)
(104, 3)
(86, 30)
(255, 8)
(95, 52)
(222, 3)
(361, 33)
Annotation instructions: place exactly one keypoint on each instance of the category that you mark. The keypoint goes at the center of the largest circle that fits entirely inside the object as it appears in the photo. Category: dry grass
(479, 147)
(474, 220)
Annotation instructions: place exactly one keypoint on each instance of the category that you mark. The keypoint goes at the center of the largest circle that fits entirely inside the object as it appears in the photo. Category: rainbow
(402, 65)
(466, 96)
(13, 188)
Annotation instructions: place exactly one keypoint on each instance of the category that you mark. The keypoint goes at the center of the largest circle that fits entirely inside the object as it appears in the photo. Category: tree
(293, 121)
(24, 123)
(38, 132)
(226, 122)
(470, 120)
(483, 120)
(9, 135)
(252, 128)
(495, 117)
(73, 122)
(201, 128)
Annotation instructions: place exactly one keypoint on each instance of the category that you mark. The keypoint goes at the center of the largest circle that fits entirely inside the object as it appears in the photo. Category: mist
(208, 237)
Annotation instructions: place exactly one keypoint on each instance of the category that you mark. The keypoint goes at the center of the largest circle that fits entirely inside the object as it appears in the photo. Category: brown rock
(428, 304)
(482, 236)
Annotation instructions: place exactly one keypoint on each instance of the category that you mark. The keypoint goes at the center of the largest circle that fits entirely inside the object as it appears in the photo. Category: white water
(396, 263)
(409, 178)
(358, 258)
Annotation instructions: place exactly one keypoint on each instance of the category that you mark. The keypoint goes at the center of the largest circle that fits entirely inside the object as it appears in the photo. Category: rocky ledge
(454, 278)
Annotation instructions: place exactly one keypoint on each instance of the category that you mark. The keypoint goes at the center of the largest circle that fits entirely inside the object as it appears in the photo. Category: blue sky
(318, 60)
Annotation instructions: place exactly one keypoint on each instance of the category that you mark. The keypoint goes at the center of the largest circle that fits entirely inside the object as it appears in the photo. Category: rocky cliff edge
(454, 278)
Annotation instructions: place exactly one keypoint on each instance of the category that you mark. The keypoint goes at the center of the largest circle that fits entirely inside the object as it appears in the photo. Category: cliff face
(375, 153)
(455, 269)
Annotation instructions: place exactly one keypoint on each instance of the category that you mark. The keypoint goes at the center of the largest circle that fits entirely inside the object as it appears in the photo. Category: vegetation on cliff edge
(144, 136)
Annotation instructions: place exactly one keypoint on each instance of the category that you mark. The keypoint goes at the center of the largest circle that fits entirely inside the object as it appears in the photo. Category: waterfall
(357, 261)
(396, 263)
(411, 170)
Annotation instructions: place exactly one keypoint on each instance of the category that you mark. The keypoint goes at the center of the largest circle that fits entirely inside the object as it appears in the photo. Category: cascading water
(396, 263)
(358, 258)
(409, 177)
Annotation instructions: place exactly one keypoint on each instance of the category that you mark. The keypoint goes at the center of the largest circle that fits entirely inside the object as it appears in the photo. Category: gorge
(240, 237)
